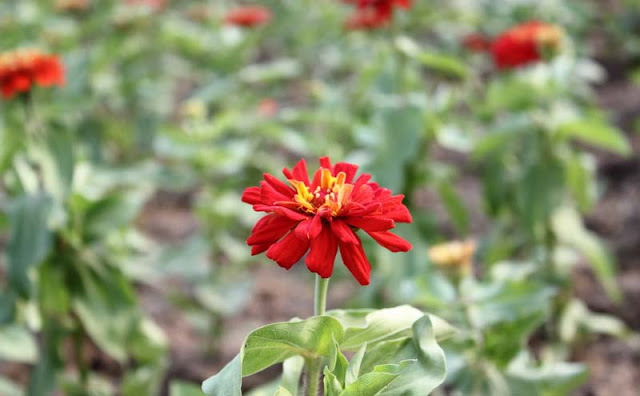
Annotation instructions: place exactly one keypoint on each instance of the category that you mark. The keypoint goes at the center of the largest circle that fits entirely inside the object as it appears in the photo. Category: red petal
(309, 228)
(343, 232)
(291, 214)
(257, 249)
(371, 223)
(356, 261)
(349, 170)
(279, 186)
(323, 253)
(299, 172)
(269, 229)
(251, 195)
(391, 241)
(325, 162)
(288, 251)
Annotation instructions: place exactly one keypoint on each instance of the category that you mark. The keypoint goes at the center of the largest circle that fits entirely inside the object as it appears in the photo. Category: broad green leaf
(312, 338)
(423, 366)
(549, 379)
(332, 386)
(445, 64)
(374, 382)
(228, 382)
(17, 344)
(372, 326)
(569, 228)
(30, 239)
(353, 369)
(597, 133)
(112, 212)
(577, 318)
(56, 158)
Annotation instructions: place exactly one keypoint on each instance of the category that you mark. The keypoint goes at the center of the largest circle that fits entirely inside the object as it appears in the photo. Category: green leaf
(311, 338)
(30, 239)
(372, 326)
(332, 386)
(112, 212)
(597, 133)
(442, 63)
(56, 158)
(422, 366)
(569, 228)
(374, 382)
(17, 344)
(353, 369)
(549, 379)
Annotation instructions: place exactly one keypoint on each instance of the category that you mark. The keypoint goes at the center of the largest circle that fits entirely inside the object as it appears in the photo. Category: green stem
(320, 297)
(314, 366)
(312, 378)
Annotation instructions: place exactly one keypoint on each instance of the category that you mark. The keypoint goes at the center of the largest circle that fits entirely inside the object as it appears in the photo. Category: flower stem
(313, 367)
(312, 378)
(320, 298)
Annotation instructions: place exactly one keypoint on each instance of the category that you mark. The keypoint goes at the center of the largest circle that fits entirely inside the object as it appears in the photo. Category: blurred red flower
(525, 44)
(248, 16)
(21, 69)
(476, 42)
(268, 107)
(322, 216)
(371, 14)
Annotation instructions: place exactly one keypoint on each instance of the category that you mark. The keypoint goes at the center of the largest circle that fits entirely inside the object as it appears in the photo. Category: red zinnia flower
(371, 14)
(249, 16)
(476, 42)
(21, 69)
(322, 215)
(525, 44)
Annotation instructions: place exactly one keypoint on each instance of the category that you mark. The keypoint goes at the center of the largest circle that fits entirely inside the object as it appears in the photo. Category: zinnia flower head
(454, 257)
(322, 215)
(525, 44)
(372, 14)
(21, 69)
(248, 16)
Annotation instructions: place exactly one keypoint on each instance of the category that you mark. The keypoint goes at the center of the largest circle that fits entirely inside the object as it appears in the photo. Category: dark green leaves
(30, 239)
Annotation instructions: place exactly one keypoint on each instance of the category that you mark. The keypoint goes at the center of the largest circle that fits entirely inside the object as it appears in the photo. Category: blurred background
(124, 268)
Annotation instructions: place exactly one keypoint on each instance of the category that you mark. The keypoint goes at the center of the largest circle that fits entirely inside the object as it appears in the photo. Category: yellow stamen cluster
(331, 194)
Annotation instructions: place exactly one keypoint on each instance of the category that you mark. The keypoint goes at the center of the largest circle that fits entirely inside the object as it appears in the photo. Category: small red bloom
(476, 42)
(21, 69)
(371, 14)
(248, 16)
(268, 108)
(322, 216)
(525, 44)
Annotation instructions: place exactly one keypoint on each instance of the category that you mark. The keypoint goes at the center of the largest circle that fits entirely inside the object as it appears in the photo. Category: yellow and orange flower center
(327, 198)
(549, 37)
